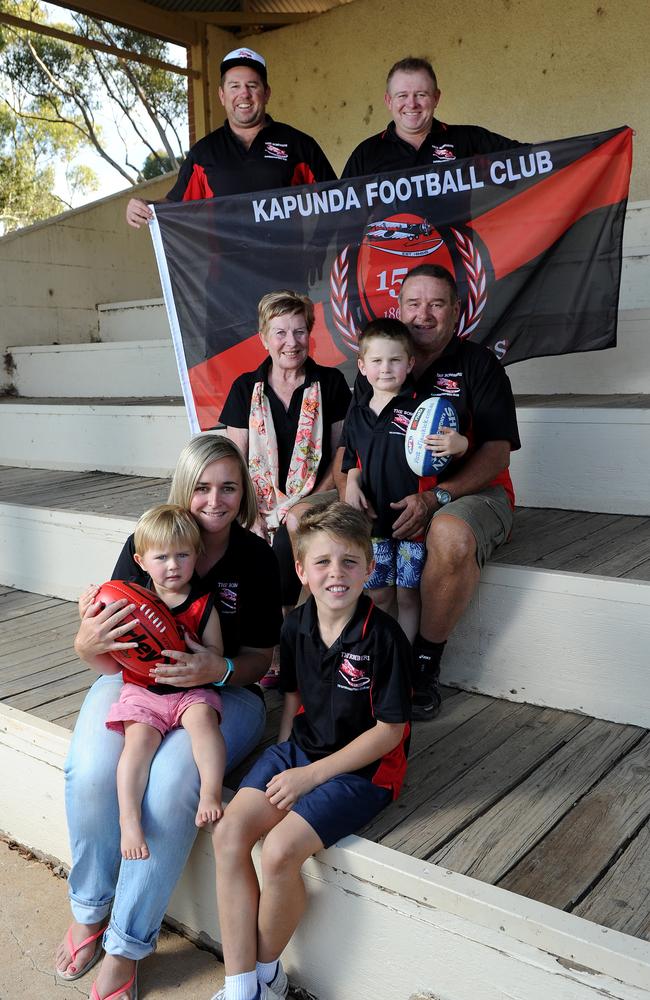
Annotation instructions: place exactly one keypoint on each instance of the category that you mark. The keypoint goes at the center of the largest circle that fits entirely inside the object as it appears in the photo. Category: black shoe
(426, 699)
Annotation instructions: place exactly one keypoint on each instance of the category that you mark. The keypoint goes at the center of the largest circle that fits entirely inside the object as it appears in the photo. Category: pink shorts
(162, 711)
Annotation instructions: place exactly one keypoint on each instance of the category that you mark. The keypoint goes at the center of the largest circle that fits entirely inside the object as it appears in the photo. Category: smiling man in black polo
(415, 137)
(249, 152)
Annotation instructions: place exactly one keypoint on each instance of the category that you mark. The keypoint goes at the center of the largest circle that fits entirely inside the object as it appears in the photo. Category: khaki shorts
(488, 514)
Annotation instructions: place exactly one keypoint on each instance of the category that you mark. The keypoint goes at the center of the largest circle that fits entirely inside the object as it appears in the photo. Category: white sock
(267, 971)
(242, 987)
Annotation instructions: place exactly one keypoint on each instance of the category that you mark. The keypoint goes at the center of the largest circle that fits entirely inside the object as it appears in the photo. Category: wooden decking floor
(551, 805)
(616, 545)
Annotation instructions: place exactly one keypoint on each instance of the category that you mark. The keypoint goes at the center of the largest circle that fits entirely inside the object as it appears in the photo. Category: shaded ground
(34, 915)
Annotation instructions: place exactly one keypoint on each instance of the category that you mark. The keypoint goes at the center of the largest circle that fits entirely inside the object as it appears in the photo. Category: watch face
(443, 497)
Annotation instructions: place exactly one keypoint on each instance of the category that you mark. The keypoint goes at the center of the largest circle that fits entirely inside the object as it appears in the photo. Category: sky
(108, 179)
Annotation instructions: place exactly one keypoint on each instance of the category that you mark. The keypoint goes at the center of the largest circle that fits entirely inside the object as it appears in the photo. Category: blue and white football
(429, 418)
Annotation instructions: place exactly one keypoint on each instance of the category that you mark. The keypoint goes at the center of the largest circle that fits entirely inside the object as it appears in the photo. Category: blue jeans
(136, 893)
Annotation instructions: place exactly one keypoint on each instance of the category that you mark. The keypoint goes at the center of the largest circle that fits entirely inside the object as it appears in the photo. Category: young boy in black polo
(345, 674)
(375, 461)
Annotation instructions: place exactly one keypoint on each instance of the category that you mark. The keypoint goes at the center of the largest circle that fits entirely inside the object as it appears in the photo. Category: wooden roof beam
(246, 18)
(141, 17)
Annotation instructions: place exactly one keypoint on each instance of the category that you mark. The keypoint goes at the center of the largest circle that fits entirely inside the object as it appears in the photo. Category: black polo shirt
(364, 677)
(335, 396)
(245, 584)
(476, 383)
(279, 156)
(386, 151)
(374, 443)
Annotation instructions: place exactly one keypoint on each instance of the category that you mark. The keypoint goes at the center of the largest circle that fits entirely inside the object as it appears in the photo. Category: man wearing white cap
(250, 151)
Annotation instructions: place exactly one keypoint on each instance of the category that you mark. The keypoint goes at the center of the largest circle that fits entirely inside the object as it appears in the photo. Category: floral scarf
(272, 503)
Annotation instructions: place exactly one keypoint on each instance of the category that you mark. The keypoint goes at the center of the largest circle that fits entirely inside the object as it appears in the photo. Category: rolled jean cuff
(86, 912)
(117, 942)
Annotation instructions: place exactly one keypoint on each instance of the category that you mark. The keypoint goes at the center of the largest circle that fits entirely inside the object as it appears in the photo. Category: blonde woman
(124, 900)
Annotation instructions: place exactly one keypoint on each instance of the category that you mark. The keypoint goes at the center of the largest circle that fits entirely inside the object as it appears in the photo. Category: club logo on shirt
(275, 151)
(448, 384)
(353, 672)
(227, 598)
(442, 153)
(401, 420)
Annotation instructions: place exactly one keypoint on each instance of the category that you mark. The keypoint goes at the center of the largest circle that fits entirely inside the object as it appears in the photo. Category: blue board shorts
(340, 806)
(398, 563)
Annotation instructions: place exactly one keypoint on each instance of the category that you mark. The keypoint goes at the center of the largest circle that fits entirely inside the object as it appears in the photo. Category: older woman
(287, 418)
(129, 898)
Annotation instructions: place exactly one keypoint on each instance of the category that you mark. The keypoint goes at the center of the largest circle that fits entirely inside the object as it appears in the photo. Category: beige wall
(526, 68)
(54, 274)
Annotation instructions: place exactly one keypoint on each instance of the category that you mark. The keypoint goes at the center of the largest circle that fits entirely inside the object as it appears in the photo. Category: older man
(250, 151)
(470, 511)
(415, 137)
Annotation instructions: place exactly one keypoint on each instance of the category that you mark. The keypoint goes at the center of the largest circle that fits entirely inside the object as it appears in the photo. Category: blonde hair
(202, 450)
(165, 525)
(339, 520)
(284, 303)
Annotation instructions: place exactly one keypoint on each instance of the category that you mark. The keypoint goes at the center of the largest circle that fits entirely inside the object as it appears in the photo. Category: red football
(156, 629)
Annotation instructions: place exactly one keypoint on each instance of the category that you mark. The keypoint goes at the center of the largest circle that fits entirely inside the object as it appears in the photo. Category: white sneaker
(264, 992)
(279, 985)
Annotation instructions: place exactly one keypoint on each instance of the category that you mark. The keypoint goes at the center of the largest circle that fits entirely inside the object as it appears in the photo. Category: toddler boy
(375, 461)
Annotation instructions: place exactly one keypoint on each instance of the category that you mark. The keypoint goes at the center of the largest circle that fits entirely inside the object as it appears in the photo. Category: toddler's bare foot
(132, 841)
(210, 810)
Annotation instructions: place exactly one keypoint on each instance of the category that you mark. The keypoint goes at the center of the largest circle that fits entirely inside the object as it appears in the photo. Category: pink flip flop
(70, 977)
(133, 982)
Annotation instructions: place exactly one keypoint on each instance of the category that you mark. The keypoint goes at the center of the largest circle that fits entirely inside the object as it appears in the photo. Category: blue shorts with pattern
(398, 563)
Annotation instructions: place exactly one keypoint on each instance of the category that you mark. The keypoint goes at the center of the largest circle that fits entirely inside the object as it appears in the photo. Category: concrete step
(135, 366)
(145, 368)
(569, 640)
(584, 453)
(578, 452)
(130, 436)
(140, 319)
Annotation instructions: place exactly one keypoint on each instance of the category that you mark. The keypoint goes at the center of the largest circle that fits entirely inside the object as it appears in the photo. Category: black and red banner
(533, 237)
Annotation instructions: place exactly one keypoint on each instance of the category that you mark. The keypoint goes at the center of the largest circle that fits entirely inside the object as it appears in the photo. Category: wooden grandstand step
(490, 787)
(561, 617)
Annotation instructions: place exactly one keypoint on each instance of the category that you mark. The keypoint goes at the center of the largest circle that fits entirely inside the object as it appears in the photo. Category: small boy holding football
(378, 475)
(167, 545)
(345, 675)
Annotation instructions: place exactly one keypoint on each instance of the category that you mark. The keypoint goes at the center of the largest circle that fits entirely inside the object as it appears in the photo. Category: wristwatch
(230, 669)
(443, 496)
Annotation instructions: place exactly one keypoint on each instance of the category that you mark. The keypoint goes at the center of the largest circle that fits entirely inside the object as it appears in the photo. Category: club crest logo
(406, 236)
(275, 151)
(353, 677)
(365, 279)
(227, 598)
(449, 386)
(441, 153)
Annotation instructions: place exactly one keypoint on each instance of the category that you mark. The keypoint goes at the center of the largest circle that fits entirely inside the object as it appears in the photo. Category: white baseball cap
(244, 57)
